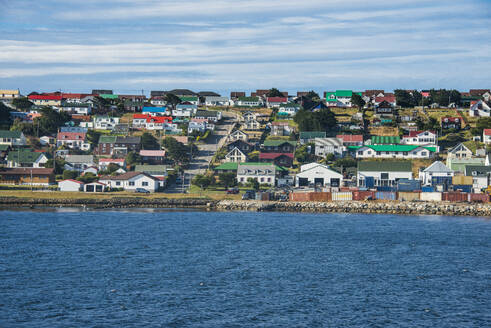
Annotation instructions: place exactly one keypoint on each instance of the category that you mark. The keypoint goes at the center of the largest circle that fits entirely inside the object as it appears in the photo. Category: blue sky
(129, 46)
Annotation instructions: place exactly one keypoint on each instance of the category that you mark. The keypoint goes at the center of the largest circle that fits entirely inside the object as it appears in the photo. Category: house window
(118, 183)
(131, 183)
(144, 183)
(384, 176)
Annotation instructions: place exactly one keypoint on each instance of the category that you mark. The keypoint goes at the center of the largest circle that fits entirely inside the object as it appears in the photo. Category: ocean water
(147, 268)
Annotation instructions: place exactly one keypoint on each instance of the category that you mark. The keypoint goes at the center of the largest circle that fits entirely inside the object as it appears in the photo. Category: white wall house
(238, 135)
(79, 162)
(131, 180)
(216, 101)
(382, 174)
(249, 102)
(76, 108)
(264, 174)
(318, 174)
(437, 169)
(324, 146)
(459, 151)
(419, 138)
(105, 122)
(236, 156)
(480, 109)
(182, 112)
(288, 110)
(70, 185)
(395, 151)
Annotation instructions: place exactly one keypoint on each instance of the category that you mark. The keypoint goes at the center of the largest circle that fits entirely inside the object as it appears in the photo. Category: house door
(334, 182)
(319, 181)
(98, 188)
(89, 188)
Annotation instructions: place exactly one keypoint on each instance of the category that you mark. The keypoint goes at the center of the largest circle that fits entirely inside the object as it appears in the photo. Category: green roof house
(395, 151)
(340, 98)
(26, 158)
(12, 138)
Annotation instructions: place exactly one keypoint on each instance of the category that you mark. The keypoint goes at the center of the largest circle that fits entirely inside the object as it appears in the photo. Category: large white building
(318, 174)
(325, 146)
(395, 151)
(264, 174)
(382, 173)
(437, 169)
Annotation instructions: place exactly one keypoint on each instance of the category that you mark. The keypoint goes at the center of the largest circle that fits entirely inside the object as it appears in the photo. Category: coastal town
(340, 145)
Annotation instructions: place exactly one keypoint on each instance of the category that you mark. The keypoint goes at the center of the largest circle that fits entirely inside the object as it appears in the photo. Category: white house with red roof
(351, 139)
(391, 99)
(486, 136)
(73, 140)
(53, 100)
(275, 102)
(420, 138)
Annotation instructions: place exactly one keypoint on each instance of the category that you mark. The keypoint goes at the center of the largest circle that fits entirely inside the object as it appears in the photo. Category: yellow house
(9, 95)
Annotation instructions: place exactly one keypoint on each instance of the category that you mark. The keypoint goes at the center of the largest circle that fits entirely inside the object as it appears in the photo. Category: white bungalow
(318, 174)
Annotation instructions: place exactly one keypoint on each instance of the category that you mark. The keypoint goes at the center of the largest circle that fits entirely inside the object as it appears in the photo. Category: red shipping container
(363, 195)
(455, 197)
(478, 198)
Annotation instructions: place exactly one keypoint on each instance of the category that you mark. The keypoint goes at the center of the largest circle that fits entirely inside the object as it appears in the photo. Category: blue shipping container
(407, 185)
(441, 181)
(386, 188)
(385, 195)
(369, 182)
(427, 189)
(463, 188)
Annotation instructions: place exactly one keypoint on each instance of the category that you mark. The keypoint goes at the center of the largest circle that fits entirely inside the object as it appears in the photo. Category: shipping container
(441, 181)
(431, 196)
(320, 197)
(264, 196)
(340, 196)
(427, 189)
(369, 182)
(299, 196)
(461, 180)
(478, 198)
(386, 188)
(454, 197)
(408, 196)
(462, 188)
(363, 195)
(405, 185)
(385, 195)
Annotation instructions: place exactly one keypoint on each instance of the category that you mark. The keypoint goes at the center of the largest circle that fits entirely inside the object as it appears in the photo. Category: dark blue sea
(147, 268)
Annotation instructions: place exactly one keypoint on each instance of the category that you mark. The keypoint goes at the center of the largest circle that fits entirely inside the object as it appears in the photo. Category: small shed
(95, 187)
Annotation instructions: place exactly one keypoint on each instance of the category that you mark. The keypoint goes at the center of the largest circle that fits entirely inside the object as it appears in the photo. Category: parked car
(233, 191)
(142, 191)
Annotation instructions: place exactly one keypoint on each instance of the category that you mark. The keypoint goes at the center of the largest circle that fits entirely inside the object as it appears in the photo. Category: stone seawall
(405, 208)
(117, 202)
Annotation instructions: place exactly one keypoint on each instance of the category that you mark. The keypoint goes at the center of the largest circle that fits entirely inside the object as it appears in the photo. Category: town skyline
(209, 45)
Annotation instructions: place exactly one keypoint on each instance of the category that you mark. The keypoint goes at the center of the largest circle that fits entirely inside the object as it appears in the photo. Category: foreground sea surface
(148, 268)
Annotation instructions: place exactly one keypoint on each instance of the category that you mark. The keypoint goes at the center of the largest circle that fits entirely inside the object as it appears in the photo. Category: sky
(132, 46)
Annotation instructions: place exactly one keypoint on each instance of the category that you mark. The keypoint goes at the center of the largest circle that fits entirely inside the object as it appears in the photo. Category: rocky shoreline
(402, 208)
(117, 202)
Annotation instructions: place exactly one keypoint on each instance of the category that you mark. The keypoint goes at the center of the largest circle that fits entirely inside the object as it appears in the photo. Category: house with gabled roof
(275, 102)
(78, 162)
(73, 140)
(238, 135)
(216, 101)
(480, 108)
(129, 181)
(351, 139)
(27, 176)
(12, 138)
(318, 174)
(279, 146)
(249, 102)
(451, 123)
(236, 156)
(419, 138)
(280, 159)
(481, 176)
(372, 174)
(435, 174)
(264, 174)
(210, 115)
(112, 145)
(340, 98)
(459, 151)
(7, 96)
(242, 145)
(325, 146)
(288, 110)
(155, 157)
(26, 158)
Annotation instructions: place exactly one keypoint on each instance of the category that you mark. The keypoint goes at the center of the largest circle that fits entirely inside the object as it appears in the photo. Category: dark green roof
(23, 156)
(312, 134)
(10, 134)
(248, 98)
(275, 143)
(384, 140)
(206, 113)
(481, 170)
(385, 166)
(4, 147)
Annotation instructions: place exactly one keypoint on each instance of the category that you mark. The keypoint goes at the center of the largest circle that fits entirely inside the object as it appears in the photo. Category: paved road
(200, 161)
